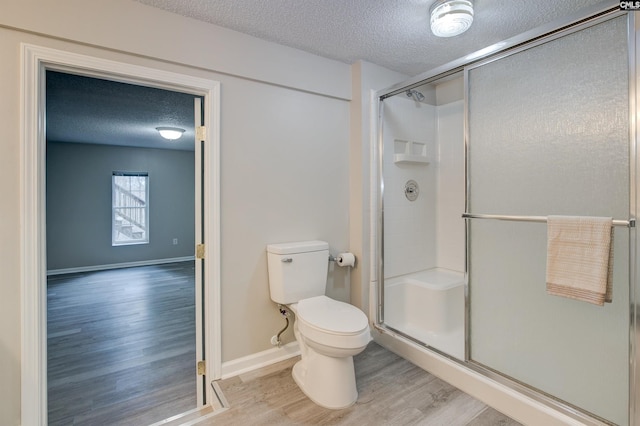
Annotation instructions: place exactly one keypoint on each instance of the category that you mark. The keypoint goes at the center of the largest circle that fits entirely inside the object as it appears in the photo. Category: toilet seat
(331, 316)
(332, 323)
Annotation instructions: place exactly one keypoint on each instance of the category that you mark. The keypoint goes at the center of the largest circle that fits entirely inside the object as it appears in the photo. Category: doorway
(120, 220)
(37, 60)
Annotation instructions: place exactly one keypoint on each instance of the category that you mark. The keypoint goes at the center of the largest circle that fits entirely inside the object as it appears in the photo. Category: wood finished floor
(392, 392)
(121, 349)
(121, 345)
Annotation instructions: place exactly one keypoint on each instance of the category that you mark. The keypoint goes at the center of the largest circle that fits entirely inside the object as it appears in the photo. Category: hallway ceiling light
(170, 133)
(451, 17)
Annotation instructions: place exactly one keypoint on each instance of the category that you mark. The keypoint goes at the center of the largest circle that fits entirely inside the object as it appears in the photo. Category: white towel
(580, 258)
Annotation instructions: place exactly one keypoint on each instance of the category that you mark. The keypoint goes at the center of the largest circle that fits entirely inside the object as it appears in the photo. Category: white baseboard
(118, 265)
(258, 360)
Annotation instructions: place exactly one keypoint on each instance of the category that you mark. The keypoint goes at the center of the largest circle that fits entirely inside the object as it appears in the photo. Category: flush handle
(287, 260)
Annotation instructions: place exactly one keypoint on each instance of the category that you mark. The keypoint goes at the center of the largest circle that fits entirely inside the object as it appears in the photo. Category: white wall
(366, 78)
(128, 26)
(409, 226)
(428, 232)
(284, 168)
(284, 150)
(10, 231)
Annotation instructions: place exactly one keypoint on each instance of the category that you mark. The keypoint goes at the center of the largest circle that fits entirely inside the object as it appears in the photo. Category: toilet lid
(332, 315)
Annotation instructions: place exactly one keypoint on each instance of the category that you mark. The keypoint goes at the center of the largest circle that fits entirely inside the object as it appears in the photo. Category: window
(130, 213)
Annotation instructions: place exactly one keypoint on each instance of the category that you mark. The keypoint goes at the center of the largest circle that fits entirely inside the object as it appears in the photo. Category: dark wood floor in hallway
(121, 345)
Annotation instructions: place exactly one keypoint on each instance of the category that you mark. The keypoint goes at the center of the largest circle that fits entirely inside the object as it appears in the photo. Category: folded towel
(580, 258)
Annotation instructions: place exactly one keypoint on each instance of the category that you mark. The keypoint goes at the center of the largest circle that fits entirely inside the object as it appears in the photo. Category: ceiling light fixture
(451, 17)
(170, 133)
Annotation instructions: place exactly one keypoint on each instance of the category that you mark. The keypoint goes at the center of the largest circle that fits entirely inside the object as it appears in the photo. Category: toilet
(328, 332)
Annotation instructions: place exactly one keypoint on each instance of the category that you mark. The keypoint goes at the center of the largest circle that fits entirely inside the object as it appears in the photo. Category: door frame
(35, 60)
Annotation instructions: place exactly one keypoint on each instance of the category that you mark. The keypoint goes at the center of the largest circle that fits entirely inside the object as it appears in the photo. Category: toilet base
(329, 382)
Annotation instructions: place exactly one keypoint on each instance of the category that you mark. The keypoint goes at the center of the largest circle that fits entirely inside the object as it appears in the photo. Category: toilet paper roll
(346, 259)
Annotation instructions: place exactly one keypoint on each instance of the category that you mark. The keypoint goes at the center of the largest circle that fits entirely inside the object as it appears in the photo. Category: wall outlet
(175, 241)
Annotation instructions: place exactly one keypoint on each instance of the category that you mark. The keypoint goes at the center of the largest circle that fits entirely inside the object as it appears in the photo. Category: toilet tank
(297, 270)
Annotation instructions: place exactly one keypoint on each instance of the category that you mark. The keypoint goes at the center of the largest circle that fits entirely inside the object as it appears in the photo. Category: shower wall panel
(549, 134)
(409, 226)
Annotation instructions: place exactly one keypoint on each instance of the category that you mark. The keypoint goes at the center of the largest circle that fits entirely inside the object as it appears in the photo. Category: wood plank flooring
(121, 351)
(392, 392)
(121, 345)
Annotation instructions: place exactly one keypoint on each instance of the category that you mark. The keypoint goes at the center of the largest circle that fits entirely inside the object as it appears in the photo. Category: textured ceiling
(392, 33)
(90, 110)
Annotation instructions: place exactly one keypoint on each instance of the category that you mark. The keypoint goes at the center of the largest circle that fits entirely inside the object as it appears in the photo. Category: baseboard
(258, 360)
(118, 265)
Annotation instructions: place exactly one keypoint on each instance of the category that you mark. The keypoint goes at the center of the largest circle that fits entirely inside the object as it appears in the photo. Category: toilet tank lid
(297, 247)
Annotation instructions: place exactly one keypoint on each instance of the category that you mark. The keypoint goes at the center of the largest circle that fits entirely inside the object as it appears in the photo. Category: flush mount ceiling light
(170, 133)
(451, 17)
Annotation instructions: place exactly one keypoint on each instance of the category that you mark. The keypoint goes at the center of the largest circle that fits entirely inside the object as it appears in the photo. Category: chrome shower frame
(591, 16)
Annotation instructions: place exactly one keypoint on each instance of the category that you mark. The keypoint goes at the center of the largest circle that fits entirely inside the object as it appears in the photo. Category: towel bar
(543, 219)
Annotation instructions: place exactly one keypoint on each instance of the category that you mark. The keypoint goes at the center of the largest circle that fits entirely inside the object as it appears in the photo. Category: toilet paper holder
(340, 258)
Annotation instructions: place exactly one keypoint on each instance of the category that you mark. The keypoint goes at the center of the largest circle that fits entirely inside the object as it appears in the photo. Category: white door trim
(35, 60)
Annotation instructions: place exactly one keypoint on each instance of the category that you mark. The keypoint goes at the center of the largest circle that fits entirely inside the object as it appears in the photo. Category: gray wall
(79, 204)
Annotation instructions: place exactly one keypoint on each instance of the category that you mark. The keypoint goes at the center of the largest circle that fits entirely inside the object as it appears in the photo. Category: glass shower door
(548, 134)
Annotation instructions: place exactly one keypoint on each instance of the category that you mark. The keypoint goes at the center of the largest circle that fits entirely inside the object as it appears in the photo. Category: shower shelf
(410, 152)
(410, 159)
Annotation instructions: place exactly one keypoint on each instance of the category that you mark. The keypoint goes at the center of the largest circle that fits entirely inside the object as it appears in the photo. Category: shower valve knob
(411, 190)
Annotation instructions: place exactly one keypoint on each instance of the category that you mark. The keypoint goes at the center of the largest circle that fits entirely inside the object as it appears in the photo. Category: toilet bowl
(329, 333)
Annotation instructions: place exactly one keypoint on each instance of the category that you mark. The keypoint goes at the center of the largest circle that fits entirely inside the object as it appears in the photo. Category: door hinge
(202, 368)
(201, 133)
(200, 251)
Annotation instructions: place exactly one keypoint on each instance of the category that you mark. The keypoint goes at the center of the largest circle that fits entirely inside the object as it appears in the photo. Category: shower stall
(471, 159)
(423, 168)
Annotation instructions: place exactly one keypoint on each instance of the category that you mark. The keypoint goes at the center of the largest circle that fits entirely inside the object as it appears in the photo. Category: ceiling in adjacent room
(90, 110)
